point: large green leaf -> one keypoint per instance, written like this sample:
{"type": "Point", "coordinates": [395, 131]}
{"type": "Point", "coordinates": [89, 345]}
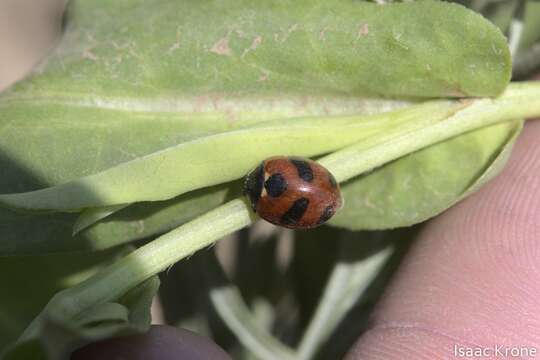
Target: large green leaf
{"type": "Point", "coordinates": [201, 162]}
{"type": "Point", "coordinates": [150, 49]}
{"type": "Point", "coordinates": [423, 184]}
{"type": "Point", "coordinates": [48, 144]}
{"type": "Point", "coordinates": [151, 218]}
{"type": "Point", "coordinates": [124, 84]}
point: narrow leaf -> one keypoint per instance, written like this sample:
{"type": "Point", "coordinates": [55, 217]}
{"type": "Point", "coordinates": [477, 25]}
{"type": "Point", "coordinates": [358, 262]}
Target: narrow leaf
{"type": "Point", "coordinates": [91, 216]}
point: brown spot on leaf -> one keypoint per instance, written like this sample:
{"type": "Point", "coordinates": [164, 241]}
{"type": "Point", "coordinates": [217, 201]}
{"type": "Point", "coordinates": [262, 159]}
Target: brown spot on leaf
{"type": "Point", "coordinates": [256, 42]}
{"type": "Point", "coordinates": [363, 30]}
{"type": "Point", "coordinates": [221, 47]}
{"type": "Point", "coordinates": [254, 45]}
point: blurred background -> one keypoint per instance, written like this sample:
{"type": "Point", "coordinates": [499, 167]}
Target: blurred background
{"type": "Point", "coordinates": [28, 30]}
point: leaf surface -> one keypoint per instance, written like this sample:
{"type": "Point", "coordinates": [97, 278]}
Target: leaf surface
{"type": "Point", "coordinates": [423, 184]}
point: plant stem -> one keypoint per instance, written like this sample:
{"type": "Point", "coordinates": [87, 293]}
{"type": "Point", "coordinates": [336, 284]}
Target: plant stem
{"type": "Point", "coordinates": [150, 259]}
{"type": "Point", "coordinates": [166, 250]}
{"type": "Point", "coordinates": [519, 101]}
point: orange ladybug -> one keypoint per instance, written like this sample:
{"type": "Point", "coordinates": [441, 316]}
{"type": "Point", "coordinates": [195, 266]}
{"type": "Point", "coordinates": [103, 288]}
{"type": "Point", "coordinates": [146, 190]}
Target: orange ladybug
{"type": "Point", "coordinates": [293, 192]}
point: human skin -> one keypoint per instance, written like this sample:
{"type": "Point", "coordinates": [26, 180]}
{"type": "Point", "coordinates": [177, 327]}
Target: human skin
{"type": "Point", "coordinates": [160, 342]}
{"type": "Point", "coordinates": [472, 278]}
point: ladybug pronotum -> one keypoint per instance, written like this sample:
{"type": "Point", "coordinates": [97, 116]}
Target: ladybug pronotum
{"type": "Point", "coordinates": [293, 192]}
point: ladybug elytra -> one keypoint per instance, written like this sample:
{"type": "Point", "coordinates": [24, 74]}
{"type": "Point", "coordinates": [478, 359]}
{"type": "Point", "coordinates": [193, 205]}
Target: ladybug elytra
{"type": "Point", "coordinates": [293, 192]}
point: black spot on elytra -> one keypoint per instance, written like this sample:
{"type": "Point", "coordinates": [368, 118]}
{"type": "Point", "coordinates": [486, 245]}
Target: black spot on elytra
{"type": "Point", "coordinates": [327, 214]}
{"type": "Point", "coordinates": [253, 185]}
{"type": "Point", "coordinates": [304, 170]}
{"type": "Point", "coordinates": [295, 212]}
{"type": "Point", "coordinates": [275, 185]}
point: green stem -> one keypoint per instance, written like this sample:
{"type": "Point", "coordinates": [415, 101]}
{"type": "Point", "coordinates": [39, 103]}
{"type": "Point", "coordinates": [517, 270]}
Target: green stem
{"type": "Point", "coordinates": [519, 101]}
{"type": "Point", "coordinates": [150, 259]}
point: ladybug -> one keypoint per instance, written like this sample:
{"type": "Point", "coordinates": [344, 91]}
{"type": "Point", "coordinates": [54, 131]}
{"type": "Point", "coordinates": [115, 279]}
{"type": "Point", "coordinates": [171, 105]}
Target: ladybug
{"type": "Point", "coordinates": [293, 192]}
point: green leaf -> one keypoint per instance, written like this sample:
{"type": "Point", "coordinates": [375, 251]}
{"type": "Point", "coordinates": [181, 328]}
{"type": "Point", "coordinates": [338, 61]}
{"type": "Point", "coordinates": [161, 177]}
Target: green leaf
{"type": "Point", "coordinates": [425, 183]}
{"type": "Point", "coordinates": [60, 334]}
{"type": "Point", "coordinates": [81, 140]}
{"type": "Point", "coordinates": [23, 233]}
{"type": "Point", "coordinates": [126, 86]}
{"type": "Point", "coordinates": [92, 215]}
{"type": "Point", "coordinates": [139, 300]}
{"type": "Point", "coordinates": [28, 282]}
{"type": "Point", "coordinates": [205, 161]}
{"type": "Point", "coordinates": [228, 302]}
{"type": "Point", "coordinates": [306, 47]}
{"type": "Point", "coordinates": [50, 233]}
{"type": "Point", "coordinates": [146, 219]}
{"type": "Point", "coordinates": [351, 276]}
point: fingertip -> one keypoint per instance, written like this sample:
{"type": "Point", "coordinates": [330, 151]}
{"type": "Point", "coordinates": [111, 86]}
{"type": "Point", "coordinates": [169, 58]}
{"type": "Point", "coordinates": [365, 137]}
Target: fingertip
{"type": "Point", "coordinates": [471, 278]}
{"type": "Point", "coordinates": [159, 343]}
